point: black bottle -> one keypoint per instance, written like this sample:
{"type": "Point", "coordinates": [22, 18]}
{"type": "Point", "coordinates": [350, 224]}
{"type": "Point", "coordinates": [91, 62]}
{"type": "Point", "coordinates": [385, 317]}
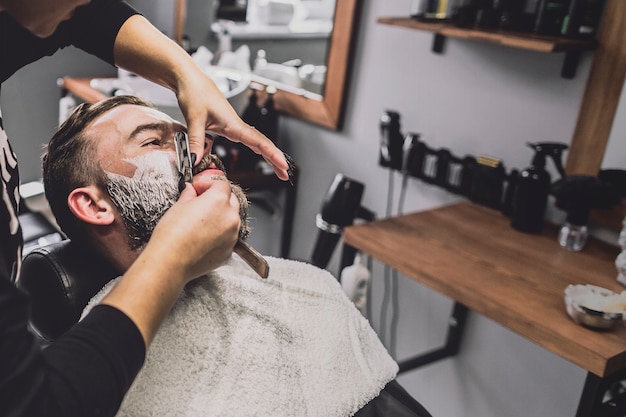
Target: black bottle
{"type": "Point", "coordinates": [583, 19]}
{"type": "Point", "coordinates": [532, 188]}
{"type": "Point", "coordinates": [550, 16]}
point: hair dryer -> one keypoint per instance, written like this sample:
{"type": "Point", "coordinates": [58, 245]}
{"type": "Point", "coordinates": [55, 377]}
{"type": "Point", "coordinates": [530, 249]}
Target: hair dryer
{"type": "Point", "coordinates": [341, 205]}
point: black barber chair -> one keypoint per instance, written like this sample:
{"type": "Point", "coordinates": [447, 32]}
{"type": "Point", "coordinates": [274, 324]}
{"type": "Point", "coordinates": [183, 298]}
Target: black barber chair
{"type": "Point", "coordinates": [37, 230]}
{"type": "Point", "coordinates": [62, 277]}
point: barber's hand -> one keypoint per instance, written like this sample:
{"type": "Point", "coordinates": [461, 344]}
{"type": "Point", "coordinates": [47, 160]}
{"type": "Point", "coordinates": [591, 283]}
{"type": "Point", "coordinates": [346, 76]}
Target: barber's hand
{"type": "Point", "coordinates": [143, 49]}
{"type": "Point", "coordinates": [196, 235]}
{"type": "Point", "coordinates": [201, 230]}
{"type": "Point", "coordinates": [205, 108]}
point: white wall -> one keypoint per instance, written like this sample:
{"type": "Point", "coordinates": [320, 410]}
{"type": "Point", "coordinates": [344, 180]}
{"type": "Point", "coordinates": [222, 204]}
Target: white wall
{"type": "Point", "coordinates": [615, 153]}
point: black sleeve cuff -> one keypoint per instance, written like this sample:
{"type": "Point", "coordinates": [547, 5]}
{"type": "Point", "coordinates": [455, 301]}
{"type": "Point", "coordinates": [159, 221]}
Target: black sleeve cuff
{"type": "Point", "coordinates": [93, 365]}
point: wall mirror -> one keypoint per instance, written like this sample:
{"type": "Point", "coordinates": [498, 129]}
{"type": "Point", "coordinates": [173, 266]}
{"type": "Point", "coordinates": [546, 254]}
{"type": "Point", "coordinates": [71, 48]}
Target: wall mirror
{"type": "Point", "coordinates": [599, 106]}
{"type": "Point", "coordinates": [321, 103]}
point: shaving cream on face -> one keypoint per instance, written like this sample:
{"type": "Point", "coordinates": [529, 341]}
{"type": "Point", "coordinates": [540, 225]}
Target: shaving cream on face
{"type": "Point", "coordinates": [157, 166]}
{"type": "Point", "coordinates": [143, 198]}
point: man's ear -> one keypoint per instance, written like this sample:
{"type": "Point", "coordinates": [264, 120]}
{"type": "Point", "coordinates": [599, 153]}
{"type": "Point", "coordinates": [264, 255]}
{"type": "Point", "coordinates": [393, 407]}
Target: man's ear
{"type": "Point", "coordinates": [90, 205]}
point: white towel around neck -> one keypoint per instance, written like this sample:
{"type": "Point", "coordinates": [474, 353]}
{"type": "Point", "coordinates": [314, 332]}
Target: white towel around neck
{"type": "Point", "coordinates": [238, 345]}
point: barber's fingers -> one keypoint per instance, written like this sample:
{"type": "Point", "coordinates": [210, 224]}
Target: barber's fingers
{"type": "Point", "coordinates": [214, 190]}
{"type": "Point", "coordinates": [262, 145]}
{"type": "Point", "coordinates": [198, 139]}
{"type": "Point", "coordinates": [201, 230]}
{"type": "Point", "coordinates": [214, 197]}
{"type": "Point", "coordinates": [187, 193]}
{"type": "Point", "coordinates": [196, 128]}
{"type": "Point", "coordinates": [206, 108]}
{"type": "Point", "coordinates": [238, 131]}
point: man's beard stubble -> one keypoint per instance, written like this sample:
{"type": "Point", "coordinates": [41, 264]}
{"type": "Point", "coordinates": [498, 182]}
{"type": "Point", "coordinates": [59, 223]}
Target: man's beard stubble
{"type": "Point", "coordinates": [143, 199]}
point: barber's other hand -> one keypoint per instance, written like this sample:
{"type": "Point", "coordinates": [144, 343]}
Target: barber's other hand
{"type": "Point", "coordinates": [200, 230]}
{"type": "Point", "coordinates": [205, 108]}
{"type": "Point", "coordinates": [196, 235]}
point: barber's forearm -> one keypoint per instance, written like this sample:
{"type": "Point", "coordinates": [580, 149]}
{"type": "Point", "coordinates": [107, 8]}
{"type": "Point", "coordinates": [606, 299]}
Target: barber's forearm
{"type": "Point", "coordinates": [144, 50]}
{"type": "Point", "coordinates": [147, 292]}
{"type": "Point", "coordinates": [141, 48]}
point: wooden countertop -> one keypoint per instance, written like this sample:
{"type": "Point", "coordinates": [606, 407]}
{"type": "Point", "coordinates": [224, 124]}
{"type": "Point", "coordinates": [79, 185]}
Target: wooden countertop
{"type": "Point", "coordinates": [471, 254]}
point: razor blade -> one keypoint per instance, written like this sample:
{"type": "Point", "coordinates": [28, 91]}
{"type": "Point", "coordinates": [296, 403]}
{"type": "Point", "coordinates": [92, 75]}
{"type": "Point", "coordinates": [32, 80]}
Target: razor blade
{"type": "Point", "coordinates": [253, 258]}
{"type": "Point", "coordinates": [185, 165]}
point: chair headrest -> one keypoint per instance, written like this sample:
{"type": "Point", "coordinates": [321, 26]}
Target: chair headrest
{"type": "Point", "coordinates": [61, 278]}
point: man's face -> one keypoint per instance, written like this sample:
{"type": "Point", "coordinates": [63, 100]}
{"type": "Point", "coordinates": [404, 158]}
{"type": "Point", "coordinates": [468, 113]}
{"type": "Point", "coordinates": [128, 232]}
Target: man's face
{"type": "Point", "coordinates": [135, 148]}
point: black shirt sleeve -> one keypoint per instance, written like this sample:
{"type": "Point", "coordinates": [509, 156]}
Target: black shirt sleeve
{"type": "Point", "coordinates": [86, 372]}
{"type": "Point", "coordinates": [93, 28]}
{"type": "Point", "coordinates": [92, 367]}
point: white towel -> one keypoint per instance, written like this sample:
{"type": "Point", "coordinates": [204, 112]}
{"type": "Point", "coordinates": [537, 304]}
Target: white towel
{"type": "Point", "coordinates": [238, 345]}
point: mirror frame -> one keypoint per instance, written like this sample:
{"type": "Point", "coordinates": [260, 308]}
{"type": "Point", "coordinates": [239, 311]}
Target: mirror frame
{"type": "Point", "coordinates": [598, 107]}
{"type": "Point", "coordinates": [326, 110]}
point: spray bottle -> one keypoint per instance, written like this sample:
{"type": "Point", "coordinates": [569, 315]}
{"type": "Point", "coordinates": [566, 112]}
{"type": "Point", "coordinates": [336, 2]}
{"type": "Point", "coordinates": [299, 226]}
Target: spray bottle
{"type": "Point", "coordinates": [533, 186]}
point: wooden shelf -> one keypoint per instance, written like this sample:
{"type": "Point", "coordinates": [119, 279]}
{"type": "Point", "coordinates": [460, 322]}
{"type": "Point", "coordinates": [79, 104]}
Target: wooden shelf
{"type": "Point", "coordinates": [528, 41]}
{"type": "Point", "coordinates": [471, 254]}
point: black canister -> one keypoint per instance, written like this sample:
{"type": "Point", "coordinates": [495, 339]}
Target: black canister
{"type": "Point", "coordinates": [533, 187]}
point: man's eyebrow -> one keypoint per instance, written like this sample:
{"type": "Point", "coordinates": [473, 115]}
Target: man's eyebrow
{"type": "Point", "coordinates": [160, 126]}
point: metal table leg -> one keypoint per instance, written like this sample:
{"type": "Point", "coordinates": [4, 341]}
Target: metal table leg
{"type": "Point", "coordinates": [456, 325]}
{"type": "Point", "coordinates": [592, 400]}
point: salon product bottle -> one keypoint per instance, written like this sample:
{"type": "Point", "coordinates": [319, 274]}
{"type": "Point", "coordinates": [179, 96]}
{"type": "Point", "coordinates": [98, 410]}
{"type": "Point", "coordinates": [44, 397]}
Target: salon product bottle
{"type": "Point", "coordinates": [432, 10]}
{"type": "Point", "coordinates": [583, 19]}
{"type": "Point", "coordinates": [533, 187]}
{"type": "Point", "coordinates": [355, 282]}
{"type": "Point", "coordinates": [391, 140]}
{"type": "Point", "coordinates": [578, 195]}
{"type": "Point", "coordinates": [550, 16]}
{"type": "Point", "coordinates": [511, 186]}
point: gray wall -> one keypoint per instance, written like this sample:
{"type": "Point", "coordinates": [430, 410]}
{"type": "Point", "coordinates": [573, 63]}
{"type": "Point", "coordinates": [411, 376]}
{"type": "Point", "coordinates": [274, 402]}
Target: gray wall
{"type": "Point", "coordinates": [30, 103]}
{"type": "Point", "coordinates": [475, 99]}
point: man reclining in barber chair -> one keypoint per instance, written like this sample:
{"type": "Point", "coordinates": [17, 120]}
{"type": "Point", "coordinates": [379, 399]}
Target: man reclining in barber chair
{"type": "Point", "coordinates": [234, 344]}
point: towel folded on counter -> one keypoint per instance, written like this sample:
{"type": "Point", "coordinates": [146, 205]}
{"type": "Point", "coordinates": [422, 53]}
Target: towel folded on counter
{"type": "Point", "coordinates": [238, 345]}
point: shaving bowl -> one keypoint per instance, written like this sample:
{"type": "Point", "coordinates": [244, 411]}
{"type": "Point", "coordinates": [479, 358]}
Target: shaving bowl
{"type": "Point", "coordinates": [595, 307]}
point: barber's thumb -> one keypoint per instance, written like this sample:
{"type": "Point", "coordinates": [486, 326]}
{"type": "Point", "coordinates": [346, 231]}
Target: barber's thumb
{"type": "Point", "coordinates": [187, 193]}
{"type": "Point", "coordinates": [197, 143]}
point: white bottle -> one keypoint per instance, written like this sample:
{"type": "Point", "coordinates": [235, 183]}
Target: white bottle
{"type": "Point", "coordinates": [355, 282]}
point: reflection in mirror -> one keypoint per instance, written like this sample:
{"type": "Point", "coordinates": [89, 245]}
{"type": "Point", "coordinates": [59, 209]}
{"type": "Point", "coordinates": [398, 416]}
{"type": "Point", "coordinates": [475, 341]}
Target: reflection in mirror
{"type": "Point", "coordinates": [306, 60]}
{"type": "Point", "coordinates": [286, 41]}
{"type": "Point", "coordinates": [317, 45]}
